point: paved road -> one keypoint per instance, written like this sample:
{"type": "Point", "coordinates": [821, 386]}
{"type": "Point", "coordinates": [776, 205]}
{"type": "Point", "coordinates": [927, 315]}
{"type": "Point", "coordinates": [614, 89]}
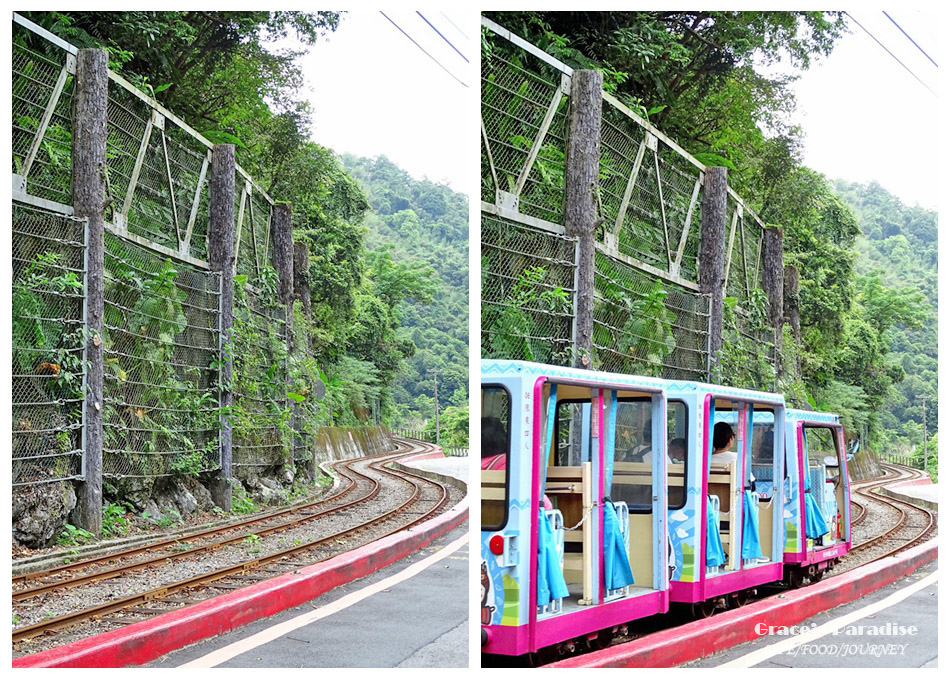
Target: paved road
{"type": "Point", "coordinates": [413, 614]}
{"type": "Point", "coordinates": [895, 627]}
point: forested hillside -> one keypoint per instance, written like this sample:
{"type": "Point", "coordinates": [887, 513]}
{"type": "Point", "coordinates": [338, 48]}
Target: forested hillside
{"type": "Point", "coordinates": [898, 246]}
{"type": "Point", "coordinates": [424, 226]}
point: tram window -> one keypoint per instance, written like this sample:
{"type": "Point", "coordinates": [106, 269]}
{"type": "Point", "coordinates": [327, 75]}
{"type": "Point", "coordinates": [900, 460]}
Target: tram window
{"type": "Point", "coordinates": [821, 442]}
{"type": "Point", "coordinates": [677, 430]}
{"type": "Point", "coordinates": [634, 454]}
{"type": "Point", "coordinates": [573, 433]}
{"type": "Point", "coordinates": [496, 445]}
{"type": "Point", "coordinates": [763, 444]}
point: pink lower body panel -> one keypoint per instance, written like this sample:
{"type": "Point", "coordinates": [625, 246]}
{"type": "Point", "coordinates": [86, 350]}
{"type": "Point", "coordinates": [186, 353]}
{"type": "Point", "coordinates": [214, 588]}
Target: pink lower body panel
{"type": "Point", "coordinates": [818, 556]}
{"type": "Point", "coordinates": [514, 641]}
{"type": "Point", "coordinates": [722, 584]}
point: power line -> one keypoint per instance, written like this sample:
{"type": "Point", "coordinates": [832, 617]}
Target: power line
{"type": "Point", "coordinates": [442, 36]}
{"type": "Point", "coordinates": [891, 53]}
{"type": "Point", "coordinates": [454, 26]}
{"type": "Point", "coordinates": [421, 48]}
{"type": "Point", "coordinates": [909, 38]}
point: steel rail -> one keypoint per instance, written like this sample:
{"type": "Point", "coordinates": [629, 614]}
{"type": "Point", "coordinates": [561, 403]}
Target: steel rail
{"type": "Point", "coordinates": [69, 620]}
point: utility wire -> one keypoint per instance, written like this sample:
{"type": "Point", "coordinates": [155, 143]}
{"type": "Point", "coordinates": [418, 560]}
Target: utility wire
{"type": "Point", "coordinates": [891, 53]}
{"type": "Point", "coordinates": [909, 38]}
{"type": "Point", "coordinates": [454, 26]}
{"type": "Point", "coordinates": [421, 48]}
{"type": "Point", "coordinates": [442, 36]}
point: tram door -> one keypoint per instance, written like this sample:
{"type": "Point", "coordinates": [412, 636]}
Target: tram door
{"type": "Point", "coordinates": [570, 488]}
{"type": "Point", "coordinates": [826, 483]}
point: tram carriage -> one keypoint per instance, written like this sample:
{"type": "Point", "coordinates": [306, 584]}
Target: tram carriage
{"type": "Point", "coordinates": [818, 507]}
{"type": "Point", "coordinates": [724, 530]}
{"type": "Point", "coordinates": [548, 434]}
{"type": "Point", "coordinates": [601, 503]}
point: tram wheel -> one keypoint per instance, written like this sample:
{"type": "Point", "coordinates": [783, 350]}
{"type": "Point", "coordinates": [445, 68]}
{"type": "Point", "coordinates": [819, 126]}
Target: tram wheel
{"type": "Point", "coordinates": [703, 610]}
{"type": "Point", "coordinates": [741, 598]}
{"type": "Point", "coordinates": [796, 578]}
{"type": "Point", "coordinates": [543, 656]}
{"type": "Point", "coordinates": [603, 639]}
{"type": "Point", "coordinates": [817, 576]}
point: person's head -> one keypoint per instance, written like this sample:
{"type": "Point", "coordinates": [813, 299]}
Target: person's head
{"type": "Point", "coordinates": [723, 436]}
{"type": "Point", "coordinates": [678, 450]}
{"type": "Point", "coordinates": [494, 437]}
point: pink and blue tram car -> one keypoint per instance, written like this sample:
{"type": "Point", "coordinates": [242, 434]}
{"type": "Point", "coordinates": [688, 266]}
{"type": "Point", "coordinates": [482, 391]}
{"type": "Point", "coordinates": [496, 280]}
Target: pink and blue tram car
{"type": "Point", "coordinates": [601, 503]}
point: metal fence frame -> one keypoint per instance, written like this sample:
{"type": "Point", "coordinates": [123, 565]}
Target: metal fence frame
{"type": "Point", "coordinates": [156, 178]}
{"type": "Point", "coordinates": [650, 192]}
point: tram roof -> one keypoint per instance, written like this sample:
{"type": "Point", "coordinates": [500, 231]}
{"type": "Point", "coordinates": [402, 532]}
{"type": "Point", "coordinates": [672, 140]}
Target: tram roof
{"type": "Point", "coordinates": [496, 368]}
{"type": "Point", "coordinates": [814, 416]}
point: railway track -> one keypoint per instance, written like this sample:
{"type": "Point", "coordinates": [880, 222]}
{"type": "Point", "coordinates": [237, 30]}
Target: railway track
{"type": "Point", "coordinates": [900, 524]}
{"type": "Point", "coordinates": [100, 594]}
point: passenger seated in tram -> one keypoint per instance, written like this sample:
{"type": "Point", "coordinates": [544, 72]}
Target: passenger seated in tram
{"type": "Point", "coordinates": [676, 452]}
{"type": "Point", "coordinates": [644, 452]}
{"type": "Point", "coordinates": [723, 439]}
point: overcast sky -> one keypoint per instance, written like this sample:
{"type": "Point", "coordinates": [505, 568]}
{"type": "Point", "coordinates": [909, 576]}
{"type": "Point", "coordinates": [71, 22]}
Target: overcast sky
{"type": "Point", "coordinates": [866, 118]}
{"type": "Point", "coordinates": [374, 92]}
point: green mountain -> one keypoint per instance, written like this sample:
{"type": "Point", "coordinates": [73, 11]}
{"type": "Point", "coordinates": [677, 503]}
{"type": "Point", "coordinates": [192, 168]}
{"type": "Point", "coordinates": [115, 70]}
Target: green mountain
{"type": "Point", "coordinates": [424, 225]}
{"type": "Point", "coordinates": [899, 244]}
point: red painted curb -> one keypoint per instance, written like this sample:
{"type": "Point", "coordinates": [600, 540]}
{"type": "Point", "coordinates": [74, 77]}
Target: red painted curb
{"type": "Point", "coordinates": [699, 639]}
{"type": "Point", "coordinates": [142, 642]}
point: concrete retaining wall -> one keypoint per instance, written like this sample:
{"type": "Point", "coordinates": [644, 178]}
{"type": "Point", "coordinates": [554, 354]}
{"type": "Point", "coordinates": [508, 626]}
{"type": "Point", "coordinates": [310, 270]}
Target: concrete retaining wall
{"type": "Point", "coordinates": [340, 443]}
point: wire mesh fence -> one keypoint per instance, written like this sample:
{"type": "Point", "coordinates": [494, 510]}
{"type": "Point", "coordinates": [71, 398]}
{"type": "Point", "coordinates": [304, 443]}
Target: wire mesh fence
{"type": "Point", "coordinates": [646, 326]}
{"type": "Point", "coordinates": [261, 417]}
{"type": "Point", "coordinates": [161, 342]}
{"type": "Point", "coordinates": [162, 339]}
{"type": "Point", "coordinates": [527, 292]}
{"type": "Point", "coordinates": [649, 316]}
{"type": "Point", "coordinates": [42, 118]}
{"type": "Point", "coordinates": [48, 371]}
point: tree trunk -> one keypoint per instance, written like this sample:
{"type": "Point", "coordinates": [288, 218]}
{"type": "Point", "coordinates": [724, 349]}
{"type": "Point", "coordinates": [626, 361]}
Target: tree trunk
{"type": "Point", "coordinates": [582, 166]}
{"type": "Point", "coordinates": [712, 257]}
{"type": "Point", "coordinates": [89, 196]}
{"type": "Point", "coordinates": [221, 258]}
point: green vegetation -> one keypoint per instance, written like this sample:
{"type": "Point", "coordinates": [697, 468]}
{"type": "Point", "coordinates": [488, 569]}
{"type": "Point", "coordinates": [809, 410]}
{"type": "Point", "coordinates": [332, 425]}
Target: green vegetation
{"type": "Point", "coordinates": [387, 254]}
{"type": "Point", "coordinates": [897, 271]}
{"type": "Point", "coordinates": [867, 264]}
{"type": "Point", "coordinates": [418, 232]}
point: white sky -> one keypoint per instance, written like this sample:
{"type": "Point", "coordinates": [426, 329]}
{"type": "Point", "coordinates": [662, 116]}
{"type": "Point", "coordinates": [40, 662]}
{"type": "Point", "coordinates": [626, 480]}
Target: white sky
{"type": "Point", "coordinates": [866, 118]}
{"type": "Point", "coordinates": [373, 92]}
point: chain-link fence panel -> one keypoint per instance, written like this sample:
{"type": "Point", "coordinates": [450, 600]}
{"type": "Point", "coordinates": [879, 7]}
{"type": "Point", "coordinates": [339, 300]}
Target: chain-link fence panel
{"type": "Point", "coordinates": [648, 316]}
{"type": "Point", "coordinates": [524, 115]}
{"type": "Point", "coordinates": [253, 245]}
{"type": "Point", "coordinates": [646, 326]}
{"type": "Point", "coordinates": [157, 174]}
{"type": "Point", "coordinates": [527, 292]}
{"type": "Point", "coordinates": [42, 87]}
{"type": "Point", "coordinates": [48, 371]}
{"type": "Point", "coordinates": [161, 345]}
{"type": "Point", "coordinates": [261, 417]}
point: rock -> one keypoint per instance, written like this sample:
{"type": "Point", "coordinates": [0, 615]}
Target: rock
{"type": "Point", "coordinates": [40, 511]}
